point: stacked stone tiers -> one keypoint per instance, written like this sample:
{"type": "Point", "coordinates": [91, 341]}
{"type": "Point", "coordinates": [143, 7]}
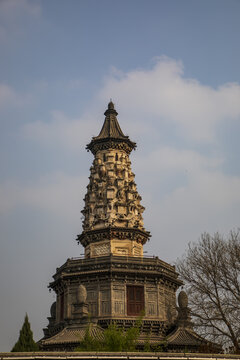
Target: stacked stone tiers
{"type": "Point", "coordinates": [112, 215]}
{"type": "Point", "coordinates": [112, 198]}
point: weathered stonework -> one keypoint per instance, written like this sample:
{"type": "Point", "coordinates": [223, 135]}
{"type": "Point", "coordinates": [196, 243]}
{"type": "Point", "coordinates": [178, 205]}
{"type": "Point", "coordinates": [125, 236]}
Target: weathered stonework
{"type": "Point", "coordinates": [112, 198]}
{"type": "Point", "coordinates": [113, 222]}
{"type": "Point", "coordinates": [114, 281]}
{"type": "Point", "coordinates": [106, 280]}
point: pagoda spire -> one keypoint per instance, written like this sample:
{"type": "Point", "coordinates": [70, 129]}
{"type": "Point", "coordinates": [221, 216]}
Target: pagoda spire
{"type": "Point", "coordinates": [111, 135]}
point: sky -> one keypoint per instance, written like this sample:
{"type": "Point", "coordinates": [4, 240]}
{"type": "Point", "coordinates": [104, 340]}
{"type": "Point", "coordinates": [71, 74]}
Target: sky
{"type": "Point", "coordinates": [172, 70]}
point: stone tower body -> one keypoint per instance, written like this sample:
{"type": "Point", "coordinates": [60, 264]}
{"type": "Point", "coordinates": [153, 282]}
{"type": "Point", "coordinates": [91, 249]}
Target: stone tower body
{"type": "Point", "coordinates": [114, 281]}
{"type": "Point", "coordinates": [113, 222]}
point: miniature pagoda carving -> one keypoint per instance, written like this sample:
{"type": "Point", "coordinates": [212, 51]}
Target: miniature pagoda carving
{"type": "Point", "coordinates": [113, 221]}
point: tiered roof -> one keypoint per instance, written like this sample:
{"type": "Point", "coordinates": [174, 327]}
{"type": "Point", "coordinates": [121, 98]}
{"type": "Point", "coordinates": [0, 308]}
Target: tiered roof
{"type": "Point", "coordinates": [111, 135]}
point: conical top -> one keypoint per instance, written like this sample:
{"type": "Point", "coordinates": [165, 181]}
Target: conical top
{"type": "Point", "coordinates": [111, 135]}
{"type": "Point", "coordinates": [111, 127]}
{"type": "Point", "coordinates": [110, 109]}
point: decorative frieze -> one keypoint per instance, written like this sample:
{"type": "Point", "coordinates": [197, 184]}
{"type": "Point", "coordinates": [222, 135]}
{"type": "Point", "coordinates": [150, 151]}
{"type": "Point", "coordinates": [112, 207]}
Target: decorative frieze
{"type": "Point", "coordinates": [112, 187]}
{"type": "Point", "coordinates": [100, 249]}
{"type": "Point", "coordinates": [110, 233]}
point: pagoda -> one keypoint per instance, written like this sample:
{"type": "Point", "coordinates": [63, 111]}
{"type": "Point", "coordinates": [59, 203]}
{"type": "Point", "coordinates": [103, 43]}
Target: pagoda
{"type": "Point", "coordinates": [115, 282]}
{"type": "Point", "coordinates": [113, 222]}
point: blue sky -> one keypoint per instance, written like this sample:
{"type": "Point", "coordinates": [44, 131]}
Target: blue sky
{"type": "Point", "coordinates": [172, 70]}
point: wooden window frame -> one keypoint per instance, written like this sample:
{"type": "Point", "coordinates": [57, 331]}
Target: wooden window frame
{"type": "Point", "coordinates": [135, 300]}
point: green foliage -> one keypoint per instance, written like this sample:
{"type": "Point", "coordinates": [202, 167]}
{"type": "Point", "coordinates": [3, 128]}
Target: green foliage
{"type": "Point", "coordinates": [161, 347]}
{"type": "Point", "coordinates": [89, 343]}
{"type": "Point", "coordinates": [25, 341]}
{"type": "Point", "coordinates": [147, 346]}
{"type": "Point", "coordinates": [115, 339]}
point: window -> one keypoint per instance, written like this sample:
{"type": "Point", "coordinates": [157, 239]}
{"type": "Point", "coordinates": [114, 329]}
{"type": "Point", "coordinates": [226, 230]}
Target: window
{"type": "Point", "coordinates": [135, 300]}
{"type": "Point", "coordinates": [116, 157]}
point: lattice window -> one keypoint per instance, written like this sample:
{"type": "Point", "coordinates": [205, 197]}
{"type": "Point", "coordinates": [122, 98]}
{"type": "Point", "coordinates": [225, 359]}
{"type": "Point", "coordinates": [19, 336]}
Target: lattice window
{"type": "Point", "coordinates": [135, 300]}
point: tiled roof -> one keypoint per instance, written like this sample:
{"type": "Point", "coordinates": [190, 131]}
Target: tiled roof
{"type": "Point", "coordinates": [73, 335]}
{"type": "Point", "coordinates": [111, 127]}
{"type": "Point", "coordinates": [111, 130]}
{"type": "Point", "coordinates": [186, 337]}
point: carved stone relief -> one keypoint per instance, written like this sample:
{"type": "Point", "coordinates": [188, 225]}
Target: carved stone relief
{"type": "Point", "coordinates": [100, 249]}
{"type": "Point", "coordinates": [112, 198]}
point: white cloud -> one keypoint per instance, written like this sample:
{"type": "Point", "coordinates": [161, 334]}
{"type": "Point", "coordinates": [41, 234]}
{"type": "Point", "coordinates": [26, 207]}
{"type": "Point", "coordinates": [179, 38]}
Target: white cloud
{"type": "Point", "coordinates": [61, 130]}
{"type": "Point", "coordinates": [204, 185]}
{"type": "Point", "coordinates": [185, 191]}
{"type": "Point", "coordinates": [207, 199]}
{"type": "Point", "coordinates": [10, 98]}
{"type": "Point", "coordinates": [13, 16]}
{"type": "Point", "coordinates": [171, 159]}
{"type": "Point", "coordinates": [11, 9]}
{"type": "Point", "coordinates": [150, 101]}
{"type": "Point", "coordinates": [209, 202]}
{"type": "Point", "coordinates": [163, 93]}
{"type": "Point", "coordinates": [7, 95]}
{"type": "Point", "coordinates": [57, 193]}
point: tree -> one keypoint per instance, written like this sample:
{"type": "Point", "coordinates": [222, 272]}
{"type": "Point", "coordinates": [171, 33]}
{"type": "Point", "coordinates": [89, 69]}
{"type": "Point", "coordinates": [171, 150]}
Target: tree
{"type": "Point", "coordinates": [89, 343]}
{"type": "Point", "coordinates": [211, 272]}
{"type": "Point", "coordinates": [25, 341]}
{"type": "Point", "coordinates": [114, 339]}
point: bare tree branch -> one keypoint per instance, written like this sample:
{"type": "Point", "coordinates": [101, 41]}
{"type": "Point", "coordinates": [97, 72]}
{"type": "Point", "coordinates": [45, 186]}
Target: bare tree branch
{"type": "Point", "coordinates": [211, 272]}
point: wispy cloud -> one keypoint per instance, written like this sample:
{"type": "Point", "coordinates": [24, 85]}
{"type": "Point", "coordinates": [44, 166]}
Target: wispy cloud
{"type": "Point", "coordinates": [150, 101]}
{"type": "Point", "coordinates": [15, 8]}
{"type": "Point", "coordinates": [181, 183]}
{"type": "Point", "coordinates": [13, 15]}
{"type": "Point", "coordinates": [163, 93]}
{"type": "Point", "coordinates": [7, 95]}
{"type": "Point", "coordinates": [185, 194]}
{"type": "Point", "coordinates": [56, 193]}
{"type": "Point", "coordinates": [10, 98]}
{"type": "Point", "coordinates": [61, 130]}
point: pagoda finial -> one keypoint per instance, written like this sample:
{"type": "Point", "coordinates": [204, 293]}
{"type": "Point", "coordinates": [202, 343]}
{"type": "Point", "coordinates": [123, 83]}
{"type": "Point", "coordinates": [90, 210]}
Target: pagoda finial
{"type": "Point", "coordinates": [110, 109]}
{"type": "Point", "coordinates": [111, 105]}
